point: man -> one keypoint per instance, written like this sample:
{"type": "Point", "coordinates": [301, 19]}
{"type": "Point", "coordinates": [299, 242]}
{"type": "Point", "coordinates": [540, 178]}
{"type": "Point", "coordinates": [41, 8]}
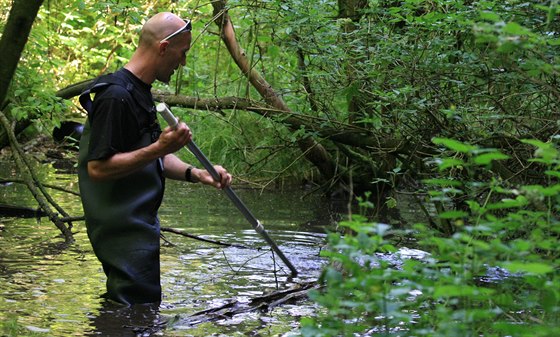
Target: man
{"type": "Point", "coordinates": [125, 158]}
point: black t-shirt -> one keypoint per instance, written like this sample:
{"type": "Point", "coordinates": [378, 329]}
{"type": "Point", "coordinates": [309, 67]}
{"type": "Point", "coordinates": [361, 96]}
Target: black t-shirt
{"type": "Point", "coordinates": [120, 116]}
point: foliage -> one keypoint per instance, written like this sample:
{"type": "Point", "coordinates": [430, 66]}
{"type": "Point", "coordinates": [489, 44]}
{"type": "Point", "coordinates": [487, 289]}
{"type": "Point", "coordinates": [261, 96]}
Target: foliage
{"type": "Point", "coordinates": [30, 99]}
{"type": "Point", "coordinates": [497, 275]}
{"type": "Point", "coordinates": [466, 89]}
{"type": "Point", "coordinates": [481, 72]}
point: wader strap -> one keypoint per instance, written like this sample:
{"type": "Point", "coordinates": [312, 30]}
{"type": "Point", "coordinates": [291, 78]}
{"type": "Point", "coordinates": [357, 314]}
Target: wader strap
{"type": "Point", "coordinates": [99, 84]}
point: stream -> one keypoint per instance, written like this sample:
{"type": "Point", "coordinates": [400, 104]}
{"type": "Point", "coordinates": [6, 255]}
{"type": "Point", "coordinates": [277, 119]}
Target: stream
{"type": "Point", "coordinates": [48, 290]}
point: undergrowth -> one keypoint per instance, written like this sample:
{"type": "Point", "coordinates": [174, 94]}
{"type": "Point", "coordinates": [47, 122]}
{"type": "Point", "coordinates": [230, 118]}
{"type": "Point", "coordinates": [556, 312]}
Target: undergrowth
{"type": "Point", "coordinates": [495, 274]}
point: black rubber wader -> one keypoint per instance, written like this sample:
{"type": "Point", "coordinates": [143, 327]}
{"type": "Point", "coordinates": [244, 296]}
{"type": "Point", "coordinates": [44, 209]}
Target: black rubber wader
{"type": "Point", "coordinates": [123, 226]}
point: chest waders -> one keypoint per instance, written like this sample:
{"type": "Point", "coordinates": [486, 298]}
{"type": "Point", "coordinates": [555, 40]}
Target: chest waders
{"type": "Point", "coordinates": [121, 217]}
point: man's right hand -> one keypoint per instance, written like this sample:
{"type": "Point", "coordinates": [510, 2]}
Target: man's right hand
{"type": "Point", "coordinates": [172, 140]}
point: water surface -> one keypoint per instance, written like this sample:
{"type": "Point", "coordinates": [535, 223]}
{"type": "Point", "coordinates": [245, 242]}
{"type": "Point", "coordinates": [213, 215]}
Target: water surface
{"type": "Point", "coordinates": [54, 291]}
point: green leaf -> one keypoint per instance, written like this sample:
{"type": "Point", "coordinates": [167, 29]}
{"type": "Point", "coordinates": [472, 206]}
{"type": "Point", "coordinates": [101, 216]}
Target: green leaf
{"type": "Point", "coordinates": [490, 16]}
{"type": "Point", "coordinates": [459, 291]}
{"type": "Point", "coordinates": [442, 182]}
{"type": "Point", "coordinates": [536, 142]}
{"type": "Point", "coordinates": [552, 173]}
{"type": "Point", "coordinates": [507, 47]}
{"type": "Point", "coordinates": [544, 191]}
{"type": "Point", "coordinates": [391, 202]}
{"type": "Point", "coordinates": [454, 145]}
{"type": "Point", "coordinates": [546, 151]}
{"type": "Point", "coordinates": [446, 163]}
{"type": "Point", "coordinates": [515, 29]}
{"type": "Point", "coordinates": [473, 205]}
{"type": "Point", "coordinates": [508, 203]}
{"type": "Point", "coordinates": [453, 214]}
{"type": "Point", "coordinates": [549, 300]}
{"type": "Point", "coordinates": [273, 51]}
{"type": "Point", "coordinates": [528, 267]}
{"type": "Point", "coordinates": [487, 158]}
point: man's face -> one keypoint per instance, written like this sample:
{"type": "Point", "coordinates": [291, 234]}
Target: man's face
{"type": "Point", "coordinates": [175, 55]}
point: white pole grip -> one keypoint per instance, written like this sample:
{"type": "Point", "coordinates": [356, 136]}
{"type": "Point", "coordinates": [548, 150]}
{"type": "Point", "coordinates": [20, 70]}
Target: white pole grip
{"type": "Point", "coordinates": [167, 115]}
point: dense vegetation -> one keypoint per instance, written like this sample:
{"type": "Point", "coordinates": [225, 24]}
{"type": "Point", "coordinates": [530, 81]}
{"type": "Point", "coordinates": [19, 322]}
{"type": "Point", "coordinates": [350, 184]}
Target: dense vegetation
{"type": "Point", "coordinates": [372, 82]}
{"type": "Point", "coordinates": [495, 275]}
{"type": "Point", "coordinates": [455, 101]}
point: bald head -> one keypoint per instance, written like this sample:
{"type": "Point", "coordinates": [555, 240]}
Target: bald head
{"type": "Point", "coordinates": [158, 27]}
{"type": "Point", "coordinates": [164, 42]}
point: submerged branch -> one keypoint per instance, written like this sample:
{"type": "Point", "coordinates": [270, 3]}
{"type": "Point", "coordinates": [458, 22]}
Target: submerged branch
{"type": "Point", "coordinates": [54, 187]}
{"type": "Point", "coordinates": [20, 211]}
{"type": "Point", "coordinates": [265, 302]}
{"type": "Point", "coordinates": [179, 232]}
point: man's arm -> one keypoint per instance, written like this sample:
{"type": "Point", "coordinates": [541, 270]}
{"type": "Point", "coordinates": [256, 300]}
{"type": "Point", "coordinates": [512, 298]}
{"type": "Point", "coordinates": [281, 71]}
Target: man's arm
{"type": "Point", "coordinates": [175, 168]}
{"type": "Point", "coordinates": [122, 164]}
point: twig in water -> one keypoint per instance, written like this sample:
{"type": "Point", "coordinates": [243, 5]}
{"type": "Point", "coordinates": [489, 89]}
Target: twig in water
{"type": "Point", "coordinates": [227, 262]}
{"type": "Point", "coordinates": [254, 257]}
{"type": "Point", "coordinates": [54, 187]}
{"type": "Point", "coordinates": [179, 232]}
{"type": "Point", "coordinates": [275, 271]}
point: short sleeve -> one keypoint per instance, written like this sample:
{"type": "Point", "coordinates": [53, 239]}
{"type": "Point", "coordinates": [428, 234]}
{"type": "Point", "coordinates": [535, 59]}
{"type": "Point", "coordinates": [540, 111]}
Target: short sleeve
{"type": "Point", "coordinates": [114, 128]}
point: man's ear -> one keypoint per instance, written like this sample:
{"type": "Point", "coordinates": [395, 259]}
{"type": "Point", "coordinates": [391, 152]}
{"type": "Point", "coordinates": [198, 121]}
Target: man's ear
{"type": "Point", "coordinates": [163, 47]}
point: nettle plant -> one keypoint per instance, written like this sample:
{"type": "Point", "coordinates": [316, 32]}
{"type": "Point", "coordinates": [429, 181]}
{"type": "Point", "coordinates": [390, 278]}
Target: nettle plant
{"type": "Point", "coordinates": [495, 274]}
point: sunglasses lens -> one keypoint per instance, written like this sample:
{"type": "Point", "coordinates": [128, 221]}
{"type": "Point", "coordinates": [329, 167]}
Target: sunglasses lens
{"type": "Point", "coordinates": [186, 28]}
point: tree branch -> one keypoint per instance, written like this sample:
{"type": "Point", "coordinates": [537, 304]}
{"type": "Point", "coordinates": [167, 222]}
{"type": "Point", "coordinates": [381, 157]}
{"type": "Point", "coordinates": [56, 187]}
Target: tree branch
{"type": "Point", "coordinates": [315, 152]}
{"type": "Point", "coordinates": [33, 184]}
{"type": "Point", "coordinates": [339, 132]}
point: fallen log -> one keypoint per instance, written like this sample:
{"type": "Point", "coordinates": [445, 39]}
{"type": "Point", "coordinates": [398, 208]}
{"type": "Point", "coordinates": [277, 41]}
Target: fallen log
{"type": "Point", "coordinates": [263, 303]}
{"type": "Point", "coordinates": [21, 211]}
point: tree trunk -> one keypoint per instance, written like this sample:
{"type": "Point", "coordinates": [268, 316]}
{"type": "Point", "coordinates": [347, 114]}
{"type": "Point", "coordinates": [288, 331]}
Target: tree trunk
{"type": "Point", "coordinates": [35, 186]}
{"type": "Point", "coordinates": [351, 9]}
{"type": "Point", "coordinates": [14, 38]}
{"type": "Point", "coordinates": [314, 152]}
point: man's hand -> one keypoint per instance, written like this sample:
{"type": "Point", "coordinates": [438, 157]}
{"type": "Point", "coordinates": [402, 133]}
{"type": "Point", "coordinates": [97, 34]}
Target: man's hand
{"type": "Point", "coordinates": [204, 177]}
{"type": "Point", "coordinates": [172, 140]}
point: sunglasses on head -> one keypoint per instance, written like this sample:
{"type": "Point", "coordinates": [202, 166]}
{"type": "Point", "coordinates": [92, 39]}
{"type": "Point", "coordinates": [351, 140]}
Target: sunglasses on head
{"type": "Point", "coordinates": [186, 28]}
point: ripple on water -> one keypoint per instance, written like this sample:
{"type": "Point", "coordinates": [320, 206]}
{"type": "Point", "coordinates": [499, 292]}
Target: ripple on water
{"type": "Point", "coordinates": [48, 288]}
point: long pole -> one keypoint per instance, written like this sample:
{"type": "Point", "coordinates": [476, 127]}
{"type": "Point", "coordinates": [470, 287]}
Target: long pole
{"type": "Point", "coordinates": [257, 225]}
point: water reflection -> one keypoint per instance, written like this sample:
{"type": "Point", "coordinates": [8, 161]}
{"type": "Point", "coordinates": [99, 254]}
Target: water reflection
{"type": "Point", "coordinates": [54, 291]}
{"type": "Point", "coordinates": [114, 319]}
